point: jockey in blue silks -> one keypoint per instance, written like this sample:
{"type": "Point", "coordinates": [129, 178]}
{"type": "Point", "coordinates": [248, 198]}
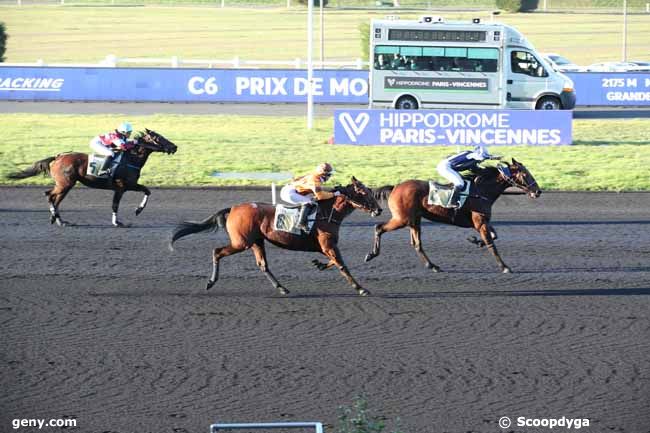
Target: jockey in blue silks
{"type": "Point", "coordinates": [466, 160]}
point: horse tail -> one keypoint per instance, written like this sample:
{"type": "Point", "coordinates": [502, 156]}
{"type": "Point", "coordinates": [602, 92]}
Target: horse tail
{"type": "Point", "coordinates": [213, 222]}
{"type": "Point", "coordinates": [383, 192]}
{"type": "Point", "coordinates": [42, 166]}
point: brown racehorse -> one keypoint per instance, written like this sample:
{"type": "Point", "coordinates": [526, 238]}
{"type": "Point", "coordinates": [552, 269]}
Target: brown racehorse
{"type": "Point", "coordinates": [408, 203]}
{"type": "Point", "coordinates": [68, 168]}
{"type": "Point", "coordinates": [249, 225]}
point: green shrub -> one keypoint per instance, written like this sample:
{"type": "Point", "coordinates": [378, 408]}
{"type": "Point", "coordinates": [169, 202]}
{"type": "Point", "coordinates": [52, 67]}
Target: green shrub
{"type": "Point", "coordinates": [517, 5]}
{"type": "Point", "coordinates": [364, 29]}
{"type": "Point", "coordinates": [357, 419]}
{"type": "Point", "coordinates": [3, 42]}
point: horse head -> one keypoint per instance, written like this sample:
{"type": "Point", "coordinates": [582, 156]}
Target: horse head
{"type": "Point", "coordinates": [359, 196]}
{"type": "Point", "coordinates": [517, 175]}
{"type": "Point", "coordinates": [155, 142]}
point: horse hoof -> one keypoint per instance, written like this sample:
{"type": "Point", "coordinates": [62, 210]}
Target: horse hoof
{"type": "Point", "coordinates": [138, 210]}
{"type": "Point", "coordinates": [506, 270]}
{"type": "Point", "coordinates": [435, 268]}
{"type": "Point", "coordinates": [61, 223]}
{"type": "Point", "coordinates": [120, 225]}
{"type": "Point", "coordinates": [209, 285]}
{"type": "Point", "coordinates": [363, 292]}
{"type": "Point", "coordinates": [370, 257]}
{"type": "Point", "coordinates": [283, 290]}
{"type": "Point", "coordinates": [52, 219]}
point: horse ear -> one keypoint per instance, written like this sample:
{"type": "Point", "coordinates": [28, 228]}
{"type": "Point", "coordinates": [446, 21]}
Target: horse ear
{"type": "Point", "coordinates": [147, 130]}
{"type": "Point", "coordinates": [354, 179]}
{"type": "Point", "coordinates": [514, 161]}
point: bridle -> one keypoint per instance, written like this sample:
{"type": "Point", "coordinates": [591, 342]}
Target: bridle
{"type": "Point", "coordinates": [509, 178]}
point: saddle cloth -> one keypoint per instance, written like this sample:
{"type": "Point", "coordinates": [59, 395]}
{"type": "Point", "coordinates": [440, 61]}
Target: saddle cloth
{"type": "Point", "coordinates": [95, 163]}
{"type": "Point", "coordinates": [440, 195]}
{"type": "Point", "coordinates": [286, 218]}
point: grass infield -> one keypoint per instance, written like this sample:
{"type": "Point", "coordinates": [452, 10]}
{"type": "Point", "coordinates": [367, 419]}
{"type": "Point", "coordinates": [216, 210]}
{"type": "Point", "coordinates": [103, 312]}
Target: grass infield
{"type": "Point", "coordinates": [73, 34]}
{"type": "Point", "coordinates": [608, 155]}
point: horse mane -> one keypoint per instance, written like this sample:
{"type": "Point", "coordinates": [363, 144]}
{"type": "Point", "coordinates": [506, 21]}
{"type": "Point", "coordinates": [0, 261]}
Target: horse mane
{"type": "Point", "coordinates": [483, 174]}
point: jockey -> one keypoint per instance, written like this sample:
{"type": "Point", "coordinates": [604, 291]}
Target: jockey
{"type": "Point", "coordinates": [466, 160]}
{"type": "Point", "coordinates": [110, 143]}
{"type": "Point", "coordinates": [306, 190]}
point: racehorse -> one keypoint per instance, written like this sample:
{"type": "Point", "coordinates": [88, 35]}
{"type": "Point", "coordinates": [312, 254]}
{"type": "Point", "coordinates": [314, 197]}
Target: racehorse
{"type": "Point", "coordinates": [408, 203]}
{"type": "Point", "coordinates": [249, 225]}
{"type": "Point", "coordinates": [68, 168]}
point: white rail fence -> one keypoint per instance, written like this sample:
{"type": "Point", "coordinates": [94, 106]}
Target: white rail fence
{"type": "Point", "coordinates": [317, 426]}
{"type": "Point", "coordinates": [112, 61]}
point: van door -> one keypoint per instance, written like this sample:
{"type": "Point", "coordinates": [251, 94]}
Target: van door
{"type": "Point", "coordinates": [527, 78]}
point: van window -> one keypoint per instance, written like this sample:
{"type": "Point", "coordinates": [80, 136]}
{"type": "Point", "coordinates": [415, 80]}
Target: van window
{"type": "Point", "coordinates": [523, 62]}
{"type": "Point", "coordinates": [444, 59]}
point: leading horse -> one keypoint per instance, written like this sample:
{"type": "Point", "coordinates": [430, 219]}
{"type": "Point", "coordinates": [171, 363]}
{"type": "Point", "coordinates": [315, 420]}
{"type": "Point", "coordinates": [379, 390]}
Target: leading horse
{"type": "Point", "coordinates": [249, 225]}
{"type": "Point", "coordinates": [408, 203]}
{"type": "Point", "coordinates": [69, 168]}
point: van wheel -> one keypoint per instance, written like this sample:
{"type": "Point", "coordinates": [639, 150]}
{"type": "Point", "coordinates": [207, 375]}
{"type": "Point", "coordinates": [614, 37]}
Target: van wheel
{"type": "Point", "coordinates": [406, 103]}
{"type": "Point", "coordinates": [548, 103]}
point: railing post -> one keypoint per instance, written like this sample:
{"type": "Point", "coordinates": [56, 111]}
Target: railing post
{"type": "Point", "coordinates": [235, 62]}
{"type": "Point", "coordinates": [297, 63]}
{"type": "Point", "coordinates": [175, 61]}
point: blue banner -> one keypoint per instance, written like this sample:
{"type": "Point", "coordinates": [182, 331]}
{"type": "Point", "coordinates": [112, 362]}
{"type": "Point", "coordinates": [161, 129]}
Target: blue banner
{"type": "Point", "coordinates": [258, 85]}
{"type": "Point", "coordinates": [611, 88]}
{"type": "Point", "coordinates": [181, 85]}
{"type": "Point", "coordinates": [453, 128]}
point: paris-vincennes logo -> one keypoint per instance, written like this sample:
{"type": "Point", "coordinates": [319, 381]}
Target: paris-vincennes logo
{"type": "Point", "coordinates": [354, 127]}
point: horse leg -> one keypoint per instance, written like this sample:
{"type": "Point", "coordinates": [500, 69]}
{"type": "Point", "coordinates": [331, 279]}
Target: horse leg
{"type": "Point", "coordinates": [479, 243]}
{"type": "Point", "coordinates": [217, 254]}
{"type": "Point", "coordinates": [260, 257]}
{"type": "Point", "coordinates": [333, 253]}
{"type": "Point", "coordinates": [143, 203]}
{"type": "Point", "coordinates": [55, 196]}
{"type": "Point", "coordinates": [380, 229]}
{"type": "Point", "coordinates": [417, 244]}
{"type": "Point", "coordinates": [117, 196]}
{"type": "Point", "coordinates": [485, 231]}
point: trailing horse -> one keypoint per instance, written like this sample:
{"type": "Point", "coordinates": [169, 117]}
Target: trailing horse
{"type": "Point", "coordinates": [249, 225]}
{"type": "Point", "coordinates": [68, 168]}
{"type": "Point", "coordinates": [408, 203]}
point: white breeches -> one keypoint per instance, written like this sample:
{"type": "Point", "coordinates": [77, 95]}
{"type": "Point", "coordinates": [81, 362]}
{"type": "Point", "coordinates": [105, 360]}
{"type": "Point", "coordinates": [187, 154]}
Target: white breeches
{"type": "Point", "coordinates": [289, 195]}
{"type": "Point", "coordinates": [445, 170]}
{"type": "Point", "coordinates": [98, 147]}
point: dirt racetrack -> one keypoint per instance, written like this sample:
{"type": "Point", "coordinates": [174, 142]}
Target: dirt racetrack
{"type": "Point", "coordinates": [108, 327]}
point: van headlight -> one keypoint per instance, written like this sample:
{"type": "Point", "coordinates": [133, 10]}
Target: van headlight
{"type": "Point", "coordinates": [568, 86]}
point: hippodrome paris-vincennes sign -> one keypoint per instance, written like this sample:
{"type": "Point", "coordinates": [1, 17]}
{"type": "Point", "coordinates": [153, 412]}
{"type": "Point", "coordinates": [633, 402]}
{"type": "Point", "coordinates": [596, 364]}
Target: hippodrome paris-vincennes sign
{"type": "Point", "coordinates": [453, 128]}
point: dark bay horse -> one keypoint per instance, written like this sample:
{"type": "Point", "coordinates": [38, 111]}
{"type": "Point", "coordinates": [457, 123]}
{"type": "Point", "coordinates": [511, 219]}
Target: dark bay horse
{"type": "Point", "coordinates": [249, 225]}
{"type": "Point", "coordinates": [408, 204]}
{"type": "Point", "coordinates": [68, 168]}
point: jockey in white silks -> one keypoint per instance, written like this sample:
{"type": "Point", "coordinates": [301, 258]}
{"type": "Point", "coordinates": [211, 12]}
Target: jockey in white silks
{"type": "Point", "coordinates": [467, 160]}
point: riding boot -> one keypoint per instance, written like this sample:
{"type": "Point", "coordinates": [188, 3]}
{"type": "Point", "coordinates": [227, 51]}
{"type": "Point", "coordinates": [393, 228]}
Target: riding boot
{"type": "Point", "coordinates": [105, 169]}
{"type": "Point", "coordinates": [305, 210]}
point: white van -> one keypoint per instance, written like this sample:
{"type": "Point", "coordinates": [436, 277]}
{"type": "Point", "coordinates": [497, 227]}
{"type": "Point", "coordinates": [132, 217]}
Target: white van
{"type": "Point", "coordinates": [431, 63]}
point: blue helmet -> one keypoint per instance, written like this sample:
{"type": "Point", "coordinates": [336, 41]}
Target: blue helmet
{"type": "Point", "coordinates": [125, 128]}
{"type": "Point", "coordinates": [481, 151]}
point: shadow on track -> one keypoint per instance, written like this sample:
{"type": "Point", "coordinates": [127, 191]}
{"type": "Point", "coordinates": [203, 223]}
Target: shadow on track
{"type": "Point", "coordinates": [508, 293]}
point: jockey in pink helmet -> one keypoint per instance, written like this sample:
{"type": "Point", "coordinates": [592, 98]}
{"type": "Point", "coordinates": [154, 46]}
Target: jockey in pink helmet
{"type": "Point", "coordinates": [110, 143]}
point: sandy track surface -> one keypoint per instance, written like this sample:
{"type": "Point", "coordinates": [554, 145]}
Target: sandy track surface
{"type": "Point", "coordinates": [107, 326]}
